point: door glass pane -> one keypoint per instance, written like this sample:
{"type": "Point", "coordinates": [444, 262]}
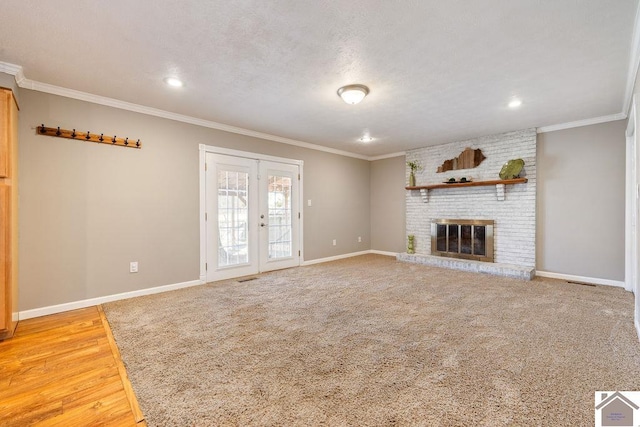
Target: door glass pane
{"type": "Point", "coordinates": [279, 194]}
{"type": "Point", "coordinates": [233, 218]}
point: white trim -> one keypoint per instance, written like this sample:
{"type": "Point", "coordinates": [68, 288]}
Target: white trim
{"type": "Point", "coordinates": [23, 82]}
{"type": "Point", "coordinates": [53, 309]}
{"type": "Point", "coordinates": [634, 62]}
{"type": "Point", "coordinates": [202, 210]}
{"type": "Point", "coordinates": [637, 322]}
{"type": "Point", "coordinates": [580, 123]}
{"type": "Point", "coordinates": [582, 279]}
{"type": "Point", "coordinates": [334, 258]}
{"type": "Point", "coordinates": [631, 124]}
{"type": "Point", "coordinates": [248, 155]}
{"type": "Point", "coordinates": [301, 211]}
{"type": "Point", "coordinates": [387, 156]}
{"type": "Point", "coordinates": [12, 69]}
{"type": "Point", "coordinates": [203, 150]}
{"type": "Point", "coordinates": [385, 253]}
{"type": "Point", "coordinates": [631, 203]}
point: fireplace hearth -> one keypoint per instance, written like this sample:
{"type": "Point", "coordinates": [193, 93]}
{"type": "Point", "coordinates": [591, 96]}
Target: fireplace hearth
{"type": "Point", "coordinates": [462, 238]}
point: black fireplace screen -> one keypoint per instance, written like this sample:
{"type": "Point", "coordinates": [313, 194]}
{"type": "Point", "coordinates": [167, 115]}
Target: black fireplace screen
{"type": "Point", "coordinates": [460, 238]}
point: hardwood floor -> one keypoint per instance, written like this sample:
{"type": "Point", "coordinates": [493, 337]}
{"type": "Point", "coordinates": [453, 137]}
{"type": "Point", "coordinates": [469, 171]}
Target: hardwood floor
{"type": "Point", "coordinates": [64, 369]}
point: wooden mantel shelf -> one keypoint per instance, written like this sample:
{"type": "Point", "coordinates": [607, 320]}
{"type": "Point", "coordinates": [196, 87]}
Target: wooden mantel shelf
{"type": "Point", "coordinates": [499, 183]}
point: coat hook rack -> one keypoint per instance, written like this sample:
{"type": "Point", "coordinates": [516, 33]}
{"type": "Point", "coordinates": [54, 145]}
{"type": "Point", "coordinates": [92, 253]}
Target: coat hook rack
{"type": "Point", "coordinates": [88, 136]}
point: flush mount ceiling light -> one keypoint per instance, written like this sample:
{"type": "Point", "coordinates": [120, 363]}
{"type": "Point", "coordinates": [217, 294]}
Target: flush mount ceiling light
{"type": "Point", "coordinates": [353, 94]}
{"type": "Point", "coordinates": [366, 138]}
{"type": "Point", "coordinates": [172, 81]}
{"type": "Point", "coordinates": [515, 103]}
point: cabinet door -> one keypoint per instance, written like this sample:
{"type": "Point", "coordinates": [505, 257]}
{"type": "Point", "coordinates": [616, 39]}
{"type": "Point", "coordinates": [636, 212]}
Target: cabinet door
{"type": "Point", "coordinates": [5, 131]}
{"type": "Point", "coordinates": [5, 259]}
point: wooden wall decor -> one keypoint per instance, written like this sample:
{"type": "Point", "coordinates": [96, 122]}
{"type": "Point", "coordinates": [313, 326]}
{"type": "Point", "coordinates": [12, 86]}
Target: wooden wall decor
{"type": "Point", "coordinates": [88, 136]}
{"type": "Point", "coordinates": [468, 159]}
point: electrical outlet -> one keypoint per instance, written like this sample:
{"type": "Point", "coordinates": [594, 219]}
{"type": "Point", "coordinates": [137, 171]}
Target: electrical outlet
{"type": "Point", "coordinates": [359, 239]}
{"type": "Point", "coordinates": [334, 242]}
{"type": "Point", "coordinates": [133, 267]}
{"type": "Point", "coordinates": [309, 202]}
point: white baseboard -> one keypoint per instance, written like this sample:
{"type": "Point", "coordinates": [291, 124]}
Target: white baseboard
{"type": "Point", "coordinates": [334, 258]}
{"type": "Point", "coordinates": [349, 255]}
{"type": "Point", "coordinates": [53, 309]}
{"type": "Point", "coordinates": [385, 253]}
{"type": "Point", "coordinates": [583, 279]}
{"type": "Point", "coordinates": [59, 308]}
{"type": "Point", "coordinates": [638, 328]}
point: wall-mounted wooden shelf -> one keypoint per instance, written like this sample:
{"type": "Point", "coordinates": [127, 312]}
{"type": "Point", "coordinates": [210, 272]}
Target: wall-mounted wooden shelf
{"type": "Point", "coordinates": [499, 183]}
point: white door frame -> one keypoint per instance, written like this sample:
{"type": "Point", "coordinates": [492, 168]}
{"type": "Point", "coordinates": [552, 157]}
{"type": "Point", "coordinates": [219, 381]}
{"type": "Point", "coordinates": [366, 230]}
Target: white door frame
{"type": "Point", "coordinates": [203, 148]}
{"type": "Point", "coordinates": [632, 212]}
{"type": "Point", "coordinates": [631, 203]}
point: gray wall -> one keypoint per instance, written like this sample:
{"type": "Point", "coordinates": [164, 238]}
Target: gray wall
{"type": "Point", "coordinates": [387, 204]}
{"type": "Point", "coordinates": [581, 182]}
{"type": "Point", "coordinates": [87, 210]}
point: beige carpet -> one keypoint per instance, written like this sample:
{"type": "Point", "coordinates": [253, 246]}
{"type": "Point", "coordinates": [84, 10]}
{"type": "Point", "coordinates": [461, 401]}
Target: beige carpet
{"type": "Point", "coordinates": [370, 341]}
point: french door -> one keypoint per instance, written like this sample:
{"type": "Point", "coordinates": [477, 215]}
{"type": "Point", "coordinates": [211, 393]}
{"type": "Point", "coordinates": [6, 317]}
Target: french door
{"type": "Point", "coordinates": [252, 215]}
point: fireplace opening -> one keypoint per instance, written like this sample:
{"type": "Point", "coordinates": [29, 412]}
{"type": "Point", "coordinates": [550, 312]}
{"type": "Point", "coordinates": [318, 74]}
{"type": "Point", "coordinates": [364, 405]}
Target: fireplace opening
{"type": "Point", "coordinates": [462, 238]}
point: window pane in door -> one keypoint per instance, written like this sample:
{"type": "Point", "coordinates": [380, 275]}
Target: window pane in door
{"type": "Point", "coordinates": [279, 194]}
{"type": "Point", "coordinates": [233, 218]}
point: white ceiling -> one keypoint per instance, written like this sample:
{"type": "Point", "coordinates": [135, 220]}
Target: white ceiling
{"type": "Point", "coordinates": [438, 71]}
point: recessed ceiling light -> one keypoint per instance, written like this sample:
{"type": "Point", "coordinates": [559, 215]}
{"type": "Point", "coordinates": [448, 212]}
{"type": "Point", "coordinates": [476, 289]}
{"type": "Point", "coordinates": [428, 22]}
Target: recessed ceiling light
{"type": "Point", "coordinates": [172, 81]}
{"type": "Point", "coordinates": [353, 94]}
{"type": "Point", "coordinates": [366, 138]}
{"type": "Point", "coordinates": [515, 103]}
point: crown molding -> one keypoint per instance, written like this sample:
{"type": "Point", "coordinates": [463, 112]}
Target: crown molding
{"type": "Point", "coordinates": [580, 123]}
{"type": "Point", "coordinates": [23, 82]}
{"type": "Point", "coordinates": [387, 156]}
{"type": "Point", "coordinates": [26, 83]}
{"type": "Point", "coordinates": [12, 69]}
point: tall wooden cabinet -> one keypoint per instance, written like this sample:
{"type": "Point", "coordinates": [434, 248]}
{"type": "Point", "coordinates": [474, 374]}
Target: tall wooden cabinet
{"type": "Point", "coordinates": [8, 213]}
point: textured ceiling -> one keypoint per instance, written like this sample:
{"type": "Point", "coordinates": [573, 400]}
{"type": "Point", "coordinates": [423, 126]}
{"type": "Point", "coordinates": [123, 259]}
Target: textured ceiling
{"type": "Point", "coordinates": [438, 70]}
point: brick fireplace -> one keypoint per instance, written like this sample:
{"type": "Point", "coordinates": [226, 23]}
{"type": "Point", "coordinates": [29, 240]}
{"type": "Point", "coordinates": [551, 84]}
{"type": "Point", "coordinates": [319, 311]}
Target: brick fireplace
{"type": "Point", "coordinates": [511, 208]}
{"type": "Point", "coordinates": [462, 238]}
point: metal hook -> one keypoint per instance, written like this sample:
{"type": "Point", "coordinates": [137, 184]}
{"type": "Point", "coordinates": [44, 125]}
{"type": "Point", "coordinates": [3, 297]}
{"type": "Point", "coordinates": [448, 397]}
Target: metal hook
{"type": "Point", "coordinates": [42, 129]}
{"type": "Point", "coordinates": [138, 143]}
{"type": "Point", "coordinates": [73, 134]}
{"type": "Point", "coordinates": [126, 141]}
{"type": "Point", "coordinates": [101, 138]}
{"type": "Point", "coordinates": [114, 139]}
{"type": "Point", "coordinates": [58, 131]}
{"type": "Point", "coordinates": [88, 137]}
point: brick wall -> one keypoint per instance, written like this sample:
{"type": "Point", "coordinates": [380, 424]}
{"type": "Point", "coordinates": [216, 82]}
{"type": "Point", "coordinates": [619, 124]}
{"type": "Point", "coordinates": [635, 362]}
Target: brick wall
{"type": "Point", "coordinates": [515, 217]}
